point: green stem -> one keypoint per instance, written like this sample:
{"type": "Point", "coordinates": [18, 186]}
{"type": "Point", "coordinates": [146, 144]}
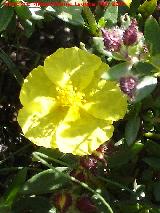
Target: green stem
{"type": "Point", "coordinates": [151, 135]}
{"type": "Point", "coordinates": [84, 185]}
{"type": "Point", "coordinates": [102, 178]}
{"type": "Point", "coordinates": [116, 184]}
{"type": "Point", "coordinates": [53, 159]}
{"type": "Point", "coordinates": [92, 24]}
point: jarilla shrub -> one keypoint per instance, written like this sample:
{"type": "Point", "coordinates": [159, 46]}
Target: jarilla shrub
{"type": "Point", "coordinates": [66, 104]}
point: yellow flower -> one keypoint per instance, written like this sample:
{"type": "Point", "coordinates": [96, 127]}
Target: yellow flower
{"type": "Point", "coordinates": [67, 106]}
{"type": "Point", "coordinates": [127, 2]}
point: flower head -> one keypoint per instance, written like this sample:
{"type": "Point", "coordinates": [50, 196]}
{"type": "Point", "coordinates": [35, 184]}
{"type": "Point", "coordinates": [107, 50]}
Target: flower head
{"type": "Point", "coordinates": [112, 39]}
{"type": "Point", "coordinates": [128, 85]}
{"type": "Point", "coordinates": [67, 106]}
{"type": "Point", "coordinates": [130, 35]}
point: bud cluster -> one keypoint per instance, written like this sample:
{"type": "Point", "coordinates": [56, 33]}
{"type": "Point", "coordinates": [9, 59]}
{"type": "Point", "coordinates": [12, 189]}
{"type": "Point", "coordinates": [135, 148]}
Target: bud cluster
{"type": "Point", "coordinates": [130, 35]}
{"type": "Point", "coordinates": [112, 39]}
{"type": "Point", "coordinates": [64, 200]}
{"type": "Point", "coordinates": [116, 37]}
{"type": "Point", "coordinates": [128, 85]}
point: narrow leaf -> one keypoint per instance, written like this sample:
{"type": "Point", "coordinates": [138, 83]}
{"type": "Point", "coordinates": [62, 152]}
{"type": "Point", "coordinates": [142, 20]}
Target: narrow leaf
{"type": "Point", "coordinates": [47, 178]}
{"type": "Point", "coordinates": [151, 34]}
{"type": "Point", "coordinates": [15, 187]}
{"type": "Point", "coordinates": [145, 87]}
{"type": "Point", "coordinates": [153, 162]}
{"type": "Point", "coordinates": [148, 7]}
{"type": "Point", "coordinates": [131, 129]}
{"type": "Point", "coordinates": [111, 14]}
{"type": "Point", "coordinates": [117, 71]}
{"type": "Point", "coordinates": [11, 66]}
{"type": "Point", "coordinates": [6, 14]}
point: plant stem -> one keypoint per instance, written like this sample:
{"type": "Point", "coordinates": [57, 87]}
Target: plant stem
{"type": "Point", "coordinates": [53, 159]}
{"type": "Point", "coordinates": [84, 185]}
{"type": "Point", "coordinates": [116, 184]}
{"type": "Point", "coordinates": [152, 135]}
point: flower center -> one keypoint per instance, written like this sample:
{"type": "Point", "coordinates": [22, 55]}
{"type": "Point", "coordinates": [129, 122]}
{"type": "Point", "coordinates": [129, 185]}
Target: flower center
{"type": "Point", "coordinates": [69, 96]}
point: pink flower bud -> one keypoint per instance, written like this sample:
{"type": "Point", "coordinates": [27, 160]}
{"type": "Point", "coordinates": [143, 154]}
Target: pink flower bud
{"type": "Point", "coordinates": [85, 205]}
{"type": "Point", "coordinates": [89, 162]}
{"type": "Point", "coordinates": [78, 174]}
{"type": "Point", "coordinates": [130, 35]}
{"type": "Point", "coordinates": [112, 39]}
{"type": "Point", "coordinates": [128, 85]}
{"type": "Point", "coordinates": [62, 201]}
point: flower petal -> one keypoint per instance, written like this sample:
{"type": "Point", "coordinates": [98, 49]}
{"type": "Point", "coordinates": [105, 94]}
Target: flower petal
{"type": "Point", "coordinates": [95, 84]}
{"type": "Point", "coordinates": [71, 64]}
{"type": "Point", "coordinates": [36, 84]}
{"type": "Point", "coordinates": [83, 135]}
{"type": "Point", "coordinates": [107, 103]}
{"type": "Point", "coordinates": [39, 120]}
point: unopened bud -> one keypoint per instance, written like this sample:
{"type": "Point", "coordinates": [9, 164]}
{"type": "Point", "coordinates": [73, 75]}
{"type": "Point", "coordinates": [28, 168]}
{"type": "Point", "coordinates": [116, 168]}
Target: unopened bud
{"type": "Point", "coordinates": [78, 174]}
{"type": "Point", "coordinates": [128, 85]}
{"type": "Point", "coordinates": [85, 205]}
{"type": "Point", "coordinates": [112, 39]}
{"type": "Point", "coordinates": [89, 162]}
{"type": "Point", "coordinates": [63, 201]}
{"type": "Point", "coordinates": [130, 35]}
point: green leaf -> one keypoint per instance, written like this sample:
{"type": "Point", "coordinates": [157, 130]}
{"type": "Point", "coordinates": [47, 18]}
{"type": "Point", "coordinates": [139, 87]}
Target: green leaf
{"type": "Point", "coordinates": [156, 192]}
{"type": "Point", "coordinates": [155, 61]}
{"type": "Point", "coordinates": [71, 14]}
{"type": "Point", "coordinates": [145, 87]}
{"type": "Point", "coordinates": [143, 68]}
{"type": "Point", "coordinates": [45, 182]}
{"type": "Point", "coordinates": [28, 27]}
{"type": "Point", "coordinates": [33, 204]}
{"type": "Point", "coordinates": [6, 14]}
{"type": "Point", "coordinates": [153, 162]}
{"type": "Point", "coordinates": [151, 34]}
{"type": "Point", "coordinates": [29, 12]}
{"type": "Point", "coordinates": [5, 209]}
{"type": "Point", "coordinates": [111, 14]}
{"type": "Point", "coordinates": [12, 68]}
{"type": "Point", "coordinates": [124, 156]}
{"type": "Point", "coordinates": [15, 187]}
{"type": "Point", "coordinates": [23, 12]}
{"type": "Point", "coordinates": [131, 129]}
{"type": "Point", "coordinates": [148, 7]}
{"type": "Point", "coordinates": [58, 157]}
{"type": "Point", "coordinates": [117, 71]}
{"type": "Point", "coordinates": [152, 148]}
{"type": "Point", "coordinates": [37, 13]}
